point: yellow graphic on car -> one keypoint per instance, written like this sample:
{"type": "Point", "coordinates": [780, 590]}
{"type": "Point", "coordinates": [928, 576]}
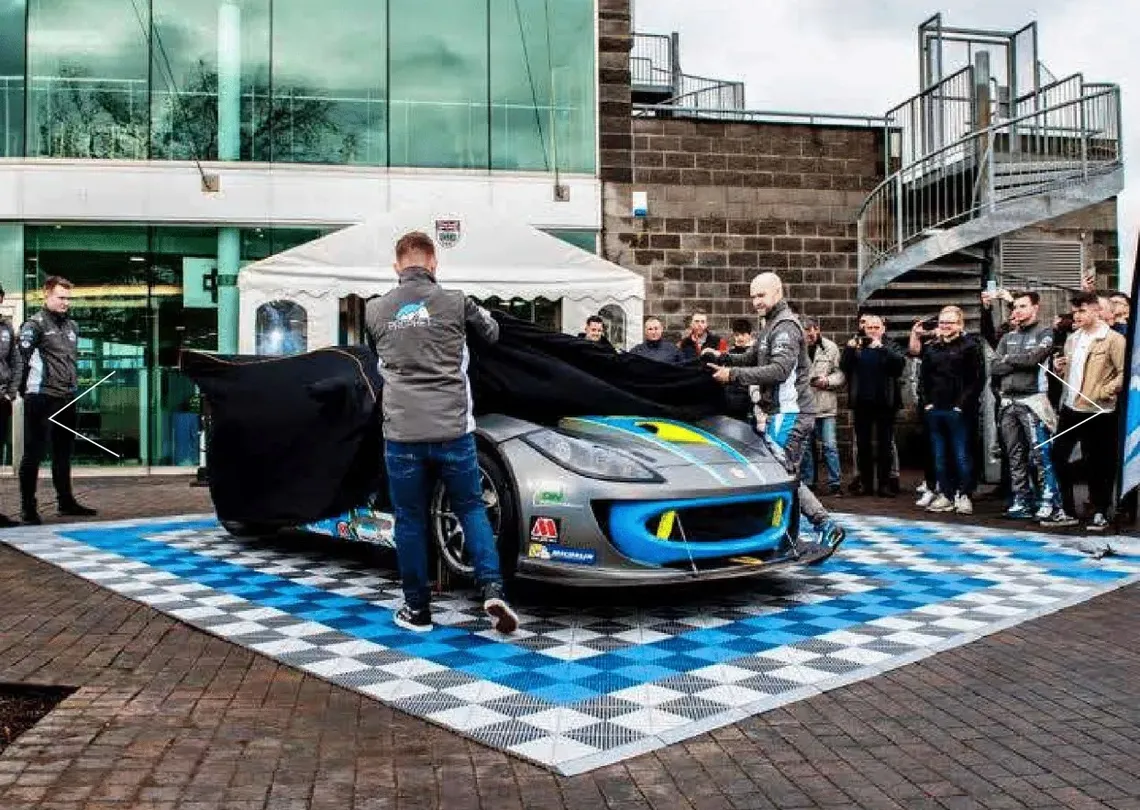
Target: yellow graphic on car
{"type": "Point", "coordinates": [672, 433]}
{"type": "Point", "coordinates": [665, 525]}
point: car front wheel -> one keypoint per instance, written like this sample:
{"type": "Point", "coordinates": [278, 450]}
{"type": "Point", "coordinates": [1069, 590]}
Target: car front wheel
{"type": "Point", "coordinates": [499, 500]}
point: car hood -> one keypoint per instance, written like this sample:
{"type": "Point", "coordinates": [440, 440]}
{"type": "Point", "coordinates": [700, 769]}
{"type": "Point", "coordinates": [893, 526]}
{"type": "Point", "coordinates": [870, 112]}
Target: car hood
{"type": "Point", "coordinates": [664, 443]}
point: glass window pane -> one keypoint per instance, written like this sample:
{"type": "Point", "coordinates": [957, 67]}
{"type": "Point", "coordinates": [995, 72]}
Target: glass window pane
{"type": "Point", "coordinates": [542, 85]}
{"type": "Point", "coordinates": [184, 315]}
{"type": "Point", "coordinates": [282, 328]}
{"type": "Point", "coordinates": [87, 73]}
{"type": "Point", "coordinates": [586, 240]}
{"type": "Point", "coordinates": [110, 305]}
{"type": "Point", "coordinates": [211, 80]}
{"type": "Point", "coordinates": [438, 84]}
{"type": "Point", "coordinates": [12, 28]}
{"type": "Point", "coordinates": [329, 83]}
{"type": "Point", "coordinates": [614, 318]}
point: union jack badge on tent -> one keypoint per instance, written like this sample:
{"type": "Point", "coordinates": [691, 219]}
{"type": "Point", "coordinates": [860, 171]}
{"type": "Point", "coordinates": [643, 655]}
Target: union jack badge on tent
{"type": "Point", "coordinates": [448, 232]}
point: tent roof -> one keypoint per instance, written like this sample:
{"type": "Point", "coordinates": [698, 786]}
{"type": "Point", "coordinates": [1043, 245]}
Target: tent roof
{"type": "Point", "coordinates": [494, 257]}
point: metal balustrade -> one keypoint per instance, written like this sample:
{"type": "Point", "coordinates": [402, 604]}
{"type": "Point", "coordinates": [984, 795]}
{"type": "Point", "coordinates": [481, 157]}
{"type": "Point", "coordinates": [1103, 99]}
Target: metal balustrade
{"type": "Point", "coordinates": [927, 121]}
{"type": "Point", "coordinates": [655, 68]}
{"type": "Point", "coordinates": [1058, 147]}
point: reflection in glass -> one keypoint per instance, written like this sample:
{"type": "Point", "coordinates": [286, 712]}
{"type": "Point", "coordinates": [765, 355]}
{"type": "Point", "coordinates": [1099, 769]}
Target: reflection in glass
{"type": "Point", "coordinates": [438, 84]}
{"type": "Point", "coordinates": [210, 64]}
{"type": "Point", "coordinates": [329, 83]}
{"type": "Point", "coordinates": [540, 311]}
{"type": "Point", "coordinates": [110, 305]}
{"type": "Point", "coordinates": [542, 85]}
{"type": "Point", "coordinates": [614, 318]}
{"type": "Point", "coordinates": [282, 328]}
{"type": "Point", "coordinates": [12, 41]}
{"type": "Point", "coordinates": [502, 84]}
{"type": "Point", "coordinates": [87, 74]}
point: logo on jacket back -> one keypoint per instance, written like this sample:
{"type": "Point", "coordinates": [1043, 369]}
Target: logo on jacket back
{"type": "Point", "coordinates": [413, 314]}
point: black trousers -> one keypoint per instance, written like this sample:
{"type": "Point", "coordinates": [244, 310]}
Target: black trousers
{"type": "Point", "coordinates": [1096, 434]}
{"type": "Point", "coordinates": [5, 428]}
{"type": "Point", "coordinates": [39, 430]}
{"type": "Point", "coordinates": [871, 425]}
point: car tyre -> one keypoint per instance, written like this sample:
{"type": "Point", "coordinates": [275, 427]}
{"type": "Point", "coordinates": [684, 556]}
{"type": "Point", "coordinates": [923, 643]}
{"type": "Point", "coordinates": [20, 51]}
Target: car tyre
{"type": "Point", "coordinates": [502, 508]}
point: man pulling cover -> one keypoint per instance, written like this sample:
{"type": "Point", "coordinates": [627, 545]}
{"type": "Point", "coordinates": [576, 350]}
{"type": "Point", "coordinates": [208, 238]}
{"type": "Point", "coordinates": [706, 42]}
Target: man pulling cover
{"type": "Point", "coordinates": [419, 331]}
{"type": "Point", "coordinates": [779, 365]}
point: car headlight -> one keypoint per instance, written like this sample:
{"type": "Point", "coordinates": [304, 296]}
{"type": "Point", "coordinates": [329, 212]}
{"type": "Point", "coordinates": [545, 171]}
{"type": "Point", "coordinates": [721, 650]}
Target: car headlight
{"type": "Point", "coordinates": [589, 459]}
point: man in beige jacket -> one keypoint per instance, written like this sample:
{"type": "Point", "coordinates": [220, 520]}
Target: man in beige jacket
{"type": "Point", "coordinates": [1093, 369]}
{"type": "Point", "coordinates": [825, 379]}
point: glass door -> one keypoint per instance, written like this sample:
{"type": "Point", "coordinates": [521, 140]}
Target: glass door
{"type": "Point", "coordinates": [109, 304]}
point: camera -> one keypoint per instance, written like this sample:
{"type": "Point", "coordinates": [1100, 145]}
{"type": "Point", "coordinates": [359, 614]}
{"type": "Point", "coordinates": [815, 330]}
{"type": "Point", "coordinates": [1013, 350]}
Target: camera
{"type": "Point", "coordinates": [864, 341]}
{"type": "Point", "coordinates": [930, 324]}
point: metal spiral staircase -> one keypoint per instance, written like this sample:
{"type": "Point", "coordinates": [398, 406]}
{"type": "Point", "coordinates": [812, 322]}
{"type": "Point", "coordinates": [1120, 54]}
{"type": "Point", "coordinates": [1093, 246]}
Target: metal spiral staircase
{"type": "Point", "coordinates": [997, 146]}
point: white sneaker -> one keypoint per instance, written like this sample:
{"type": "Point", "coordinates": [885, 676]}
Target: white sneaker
{"type": "Point", "coordinates": [963, 506]}
{"type": "Point", "coordinates": [1099, 523]}
{"type": "Point", "coordinates": [1060, 520]}
{"type": "Point", "coordinates": [941, 504]}
{"type": "Point", "coordinates": [922, 488]}
{"type": "Point", "coordinates": [927, 498]}
{"type": "Point", "coordinates": [1044, 512]}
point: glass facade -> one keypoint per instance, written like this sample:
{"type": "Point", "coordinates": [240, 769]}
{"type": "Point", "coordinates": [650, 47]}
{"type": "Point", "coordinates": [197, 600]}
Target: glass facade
{"type": "Point", "coordinates": [477, 84]}
{"type": "Point", "coordinates": [13, 14]}
{"type": "Point", "coordinates": [141, 295]}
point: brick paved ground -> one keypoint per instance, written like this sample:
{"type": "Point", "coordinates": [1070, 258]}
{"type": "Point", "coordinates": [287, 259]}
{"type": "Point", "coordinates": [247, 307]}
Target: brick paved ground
{"type": "Point", "coordinates": [1040, 716]}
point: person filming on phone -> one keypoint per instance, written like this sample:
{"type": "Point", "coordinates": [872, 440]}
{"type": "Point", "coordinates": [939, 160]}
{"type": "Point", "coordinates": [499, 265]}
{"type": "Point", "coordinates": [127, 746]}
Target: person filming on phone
{"type": "Point", "coordinates": [872, 365]}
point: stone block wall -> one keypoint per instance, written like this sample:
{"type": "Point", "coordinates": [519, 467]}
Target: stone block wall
{"type": "Point", "coordinates": [728, 200]}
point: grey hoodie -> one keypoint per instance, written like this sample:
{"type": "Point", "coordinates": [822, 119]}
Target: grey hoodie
{"type": "Point", "coordinates": [419, 332]}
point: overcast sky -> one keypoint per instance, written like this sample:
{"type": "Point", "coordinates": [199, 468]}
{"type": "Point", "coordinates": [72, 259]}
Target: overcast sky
{"type": "Point", "coordinates": [861, 56]}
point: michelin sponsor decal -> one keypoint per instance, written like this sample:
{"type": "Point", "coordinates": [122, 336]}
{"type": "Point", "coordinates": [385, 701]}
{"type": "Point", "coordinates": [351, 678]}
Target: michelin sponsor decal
{"type": "Point", "coordinates": [562, 554]}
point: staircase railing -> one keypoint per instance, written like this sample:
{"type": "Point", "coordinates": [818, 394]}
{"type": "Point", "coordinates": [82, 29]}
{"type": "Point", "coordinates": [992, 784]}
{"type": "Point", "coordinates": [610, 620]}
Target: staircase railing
{"type": "Point", "coordinates": [652, 60]}
{"type": "Point", "coordinates": [1051, 148]}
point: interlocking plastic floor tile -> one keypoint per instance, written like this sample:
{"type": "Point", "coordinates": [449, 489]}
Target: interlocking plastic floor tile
{"type": "Point", "coordinates": [580, 687]}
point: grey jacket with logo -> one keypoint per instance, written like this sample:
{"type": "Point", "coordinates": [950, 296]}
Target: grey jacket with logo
{"type": "Point", "coordinates": [419, 332]}
{"type": "Point", "coordinates": [778, 363]}
{"type": "Point", "coordinates": [11, 361]}
{"type": "Point", "coordinates": [48, 343]}
{"type": "Point", "coordinates": [1017, 360]}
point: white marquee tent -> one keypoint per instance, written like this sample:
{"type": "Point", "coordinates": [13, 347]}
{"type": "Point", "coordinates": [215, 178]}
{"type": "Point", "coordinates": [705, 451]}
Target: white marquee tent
{"type": "Point", "coordinates": [482, 253]}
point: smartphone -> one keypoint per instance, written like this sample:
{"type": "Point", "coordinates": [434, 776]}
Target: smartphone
{"type": "Point", "coordinates": [991, 286]}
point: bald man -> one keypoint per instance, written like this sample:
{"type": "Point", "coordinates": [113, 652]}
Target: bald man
{"type": "Point", "coordinates": [778, 364]}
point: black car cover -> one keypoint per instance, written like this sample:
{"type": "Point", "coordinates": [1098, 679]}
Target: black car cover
{"type": "Point", "coordinates": [296, 439]}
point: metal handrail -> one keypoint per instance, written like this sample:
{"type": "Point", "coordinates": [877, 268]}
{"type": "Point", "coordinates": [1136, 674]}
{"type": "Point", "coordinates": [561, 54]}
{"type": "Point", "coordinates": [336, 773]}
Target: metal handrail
{"type": "Point", "coordinates": [747, 116]}
{"type": "Point", "coordinates": [941, 188]}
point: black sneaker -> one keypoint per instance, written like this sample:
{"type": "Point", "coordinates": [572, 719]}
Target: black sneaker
{"type": "Point", "coordinates": [418, 621]}
{"type": "Point", "coordinates": [30, 517]}
{"type": "Point", "coordinates": [495, 606]}
{"type": "Point", "coordinates": [7, 522]}
{"type": "Point", "coordinates": [76, 509]}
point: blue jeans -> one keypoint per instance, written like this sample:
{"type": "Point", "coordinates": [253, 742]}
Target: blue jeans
{"type": "Point", "coordinates": [950, 444]}
{"type": "Point", "coordinates": [410, 467]}
{"type": "Point", "coordinates": [825, 432]}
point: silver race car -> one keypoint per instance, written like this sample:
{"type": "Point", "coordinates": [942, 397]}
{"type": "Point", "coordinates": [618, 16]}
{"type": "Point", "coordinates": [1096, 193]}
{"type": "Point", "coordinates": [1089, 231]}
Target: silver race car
{"type": "Point", "coordinates": [616, 501]}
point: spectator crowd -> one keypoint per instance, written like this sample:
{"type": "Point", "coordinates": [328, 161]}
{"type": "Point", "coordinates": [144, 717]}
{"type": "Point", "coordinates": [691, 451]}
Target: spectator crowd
{"type": "Point", "coordinates": [1054, 387]}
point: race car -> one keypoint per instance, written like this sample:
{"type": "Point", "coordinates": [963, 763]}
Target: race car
{"type": "Point", "coordinates": [677, 491]}
{"type": "Point", "coordinates": [599, 500]}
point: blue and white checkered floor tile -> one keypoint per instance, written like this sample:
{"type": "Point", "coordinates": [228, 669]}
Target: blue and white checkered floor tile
{"type": "Point", "coordinates": [577, 688]}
